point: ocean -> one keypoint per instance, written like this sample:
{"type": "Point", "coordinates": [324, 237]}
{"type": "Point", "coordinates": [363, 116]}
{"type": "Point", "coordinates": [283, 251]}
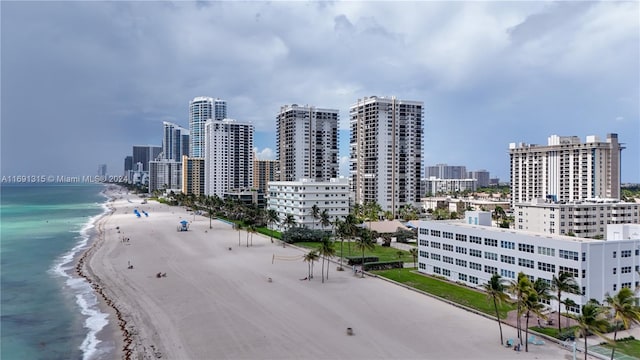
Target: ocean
{"type": "Point", "coordinates": [46, 311]}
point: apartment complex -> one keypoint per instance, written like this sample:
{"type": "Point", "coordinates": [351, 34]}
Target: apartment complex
{"type": "Point", "coordinates": [175, 141]}
{"type": "Point", "coordinates": [386, 151]}
{"type": "Point", "coordinates": [307, 143]}
{"type": "Point", "coordinates": [297, 198]}
{"type": "Point", "coordinates": [471, 251]}
{"type": "Point", "coordinates": [566, 169]}
{"type": "Point", "coordinates": [201, 109]}
{"type": "Point", "coordinates": [264, 171]}
{"type": "Point", "coordinates": [192, 175]}
{"type": "Point", "coordinates": [434, 186]}
{"type": "Point", "coordinates": [165, 174]}
{"type": "Point", "coordinates": [228, 157]}
{"type": "Point", "coordinates": [444, 171]}
{"type": "Point", "coordinates": [481, 177]}
{"type": "Point", "coordinates": [583, 218]}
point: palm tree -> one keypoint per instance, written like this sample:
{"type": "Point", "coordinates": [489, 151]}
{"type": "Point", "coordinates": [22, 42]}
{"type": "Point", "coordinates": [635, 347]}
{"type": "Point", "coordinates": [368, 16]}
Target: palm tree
{"type": "Point", "coordinates": [414, 254]}
{"type": "Point", "coordinates": [310, 257]}
{"type": "Point", "coordinates": [315, 213]}
{"type": "Point", "coordinates": [518, 288]}
{"type": "Point", "coordinates": [564, 282]}
{"type": "Point", "coordinates": [325, 219]}
{"type": "Point", "coordinates": [495, 290]}
{"type": "Point", "coordinates": [326, 250]}
{"type": "Point", "coordinates": [624, 310]}
{"type": "Point", "coordinates": [531, 303]}
{"type": "Point", "coordinates": [349, 229]}
{"type": "Point", "coordinates": [252, 229]}
{"type": "Point", "coordinates": [339, 230]}
{"type": "Point", "coordinates": [568, 303]}
{"type": "Point", "coordinates": [272, 219]}
{"type": "Point", "coordinates": [591, 320]}
{"type": "Point", "coordinates": [289, 221]}
{"type": "Point", "coordinates": [364, 242]}
{"type": "Point", "coordinates": [372, 210]}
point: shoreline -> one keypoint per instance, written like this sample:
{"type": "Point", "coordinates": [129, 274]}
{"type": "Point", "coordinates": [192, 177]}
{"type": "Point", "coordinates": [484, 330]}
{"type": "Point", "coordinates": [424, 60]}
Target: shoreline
{"type": "Point", "coordinates": [115, 331]}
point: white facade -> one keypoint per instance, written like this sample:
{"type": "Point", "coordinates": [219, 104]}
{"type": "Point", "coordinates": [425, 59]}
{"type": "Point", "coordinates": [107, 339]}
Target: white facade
{"type": "Point", "coordinates": [386, 151]}
{"type": "Point", "coordinates": [164, 174]}
{"type": "Point", "coordinates": [298, 198]}
{"type": "Point", "coordinates": [433, 185]}
{"type": "Point", "coordinates": [468, 253]}
{"type": "Point", "coordinates": [566, 169]}
{"type": "Point", "coordinates": [307, 143]}
{"type": "Point", "coordinates": [228, 160]}
{"type": "Point", "coordinates": [587, 218]}
{"type": "Point", "coordinates": [201, 109]}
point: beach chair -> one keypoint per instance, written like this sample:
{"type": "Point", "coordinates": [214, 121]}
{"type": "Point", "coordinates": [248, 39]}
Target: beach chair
{"type": "Point", "coordinates": [509, 343]}
{"type": "Point", "coordinates": [532, 340]}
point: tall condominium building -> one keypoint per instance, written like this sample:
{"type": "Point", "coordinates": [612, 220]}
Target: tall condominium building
{"type": "Point", "coordinates": [175, 141]}
{"type": "Point", "coordinates": [128, 163]}
{"type": "Point", "coordinates": [201, 109]}
{"type": "Point", "coordinates": [566, 169]}
{"type": "Point", "coordinates": [386, 151]}
{"type": "Point", "coordinates": [444, 171]}
{"type": "Point", "coordinates": [102, 170]}
{"type": "Point", "coordinates": [228, 156]}
{"type": "Point", "coordinates": [192, 175]}
{"type": "Point", "coordinates": [145, 153]}
{"type": "Point", "coordinates": [263, 172]}
{"type": "Point", "coordinates": [307, 143]}
{"type": "Point", "coordinates": [165, 174]}
{"type": "Point", "coordinates": [481, 177]}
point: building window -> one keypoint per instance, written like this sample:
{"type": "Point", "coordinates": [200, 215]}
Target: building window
{"type": "Point", "coordinates": [584, 273]}
{"type": "Point", "coordinates": [475, 239]}
{"type": "Point", "coordinates": [614, 254]}
{"type": "Point", "coordinates": [474, 252]}
{"type": "Point", "coordinates": [490, 269]}
{"type": "Point", "coordinates": [424, 254]}
{"type": "Point", "coordinates": [435, 257]}
{"type": "Point", "coordinates": [570, 255]}
{"type": "Point", "coordinates": [461, 250]}
{"type": "Point", "coordinates": [491, 242]}
{"type": "Point", "coordinates": [424, 243]}
{"type": "Point", "coordinates": [447, 235]}
{"type": "Point", "coordinates": [625, 269]}
{"type": "Point", "coordinates": [462, 277]}
{"type": "Point", "coordinates": [526, 263]}
{"type": "Point", "coordinates": [625, 253]}
{"type": "Point", "coordinates": [507, 273]}
{"type": "Point", "coordinates": [573, 272]}
{"type": "Point", "coordinates": [625, 285]}
{"type": "Point", "coordinates": [461, 262]}
{"type": "Point", "coordinates": [615, 286]}
{"type": "Point", "coordinates": [435, 245]}
{"type": "Point", "coordinates": [435, 233]}
{"type": "Point", "coordinates": [461, 237]}
{"type": "Point", "coordinates": [447, 259]}
{"type": "Point", "coordinates": [422, 266]}
{"type": "Point", "coordinates": [546, 251]}
{"type": "Point", "coordinates": [546, 267]}
{"type": "Point", "coordinates": [475, 266]}
{"type": "Point", "coordinates": [473, 280]}
{"type": "Point", "coordinates": [447, 247]}
{"type": "Point", "coordinates": [446, 272]}
{"type": "Point", "coordinates": [490, 256]}
{"type": "Point", "coordinates": [507, 244]}
{"type": "Point", "coordinates": [437, 270]}
{"type": "Point", "coordinates": [526, 248]}
{"type": "Point", "coordinates": [507, 259]}
{"type": "Point", "coordinates": [615, 270]}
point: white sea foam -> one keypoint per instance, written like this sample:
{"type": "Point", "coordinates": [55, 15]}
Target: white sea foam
{"type": "Point", "coordinates": [84, 294]}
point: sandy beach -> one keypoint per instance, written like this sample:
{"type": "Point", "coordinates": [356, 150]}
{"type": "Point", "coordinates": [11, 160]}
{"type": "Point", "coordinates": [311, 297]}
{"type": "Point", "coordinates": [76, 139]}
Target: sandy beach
{"type": "Point", "coordinates": [221, 300]}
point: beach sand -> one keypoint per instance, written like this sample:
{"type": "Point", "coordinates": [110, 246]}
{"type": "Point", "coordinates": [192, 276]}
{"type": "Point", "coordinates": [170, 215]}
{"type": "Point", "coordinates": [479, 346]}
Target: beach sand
{"type": "Point", "coordinates": [220, 300]}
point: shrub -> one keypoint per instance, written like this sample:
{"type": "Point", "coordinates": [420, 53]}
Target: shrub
{"type": "Point", "coordinates": [357, 260]}
{"type": "Point", "coordinates": [383, 265]}
{"type": "Point", "coordinates": [300, 234]}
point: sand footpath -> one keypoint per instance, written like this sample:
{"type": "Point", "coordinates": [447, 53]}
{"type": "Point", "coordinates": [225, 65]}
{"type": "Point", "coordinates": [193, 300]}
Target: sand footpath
{"type": "Point", "coordinates": [220, 300]}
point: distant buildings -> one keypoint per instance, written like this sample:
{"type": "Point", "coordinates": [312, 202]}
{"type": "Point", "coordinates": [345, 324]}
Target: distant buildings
{"type": "Point", "coordinates": [584, 218]}
{"type": "Point", "coordinates": [470, 252]}
{"type": "Point", "coordinates": [307, 143]}
{"type": "Point", "coordinates": [481, 177]}
{"type": "Point", "coordinates": [175, 141]}
{"type": "Point", "coordinates": [565, 169]}
{"type": "Point", "coordinates": [228, 156]}
{"type": "Point", "coordinates": [444, 171]}
{"type": "Point", "coordinates": [201, 109]}
{"type": "Point", "coordinates": [165, 174]}
{"type": "Point", "coordinates": [264, 171]}
{"type": "Point", "coordinates": [128, 164]}
{"type": "Point", "coordinates": [433, 186]}
{"type": "Point", "coordinates": [448, 179]}
{"type": "Point", "coordinates": [386, 151]}
{"type": "Point", "coordinates": [102, 170]}
{"type": "Point", "coordinates": [145, 153]}
{"type": "Point", "coordinates": [297, 198]}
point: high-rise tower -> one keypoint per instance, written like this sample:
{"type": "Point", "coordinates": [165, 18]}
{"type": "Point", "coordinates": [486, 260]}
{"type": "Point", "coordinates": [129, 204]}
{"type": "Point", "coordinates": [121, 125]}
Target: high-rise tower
{"type": "Point", "coordinates": [201, 109]}
{"type": "Point", "coordinates": [566, 169]}
{"type": "Point", "coordinates": [175, 141]}
{"type": "Point", "coordinates": [386, 151]}
{"type": "Point", "coordinates": [307, 143]}
{"type": "Point", "coordinates": [228, 158]}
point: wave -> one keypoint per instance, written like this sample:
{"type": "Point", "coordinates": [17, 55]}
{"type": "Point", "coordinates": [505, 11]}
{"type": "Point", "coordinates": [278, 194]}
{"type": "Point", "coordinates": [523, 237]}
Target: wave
{"type": "Point", "coordinates": [85, 297]}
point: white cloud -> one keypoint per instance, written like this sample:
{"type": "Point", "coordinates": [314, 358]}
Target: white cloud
{"type": "Point", "coordinates": [265, 154]}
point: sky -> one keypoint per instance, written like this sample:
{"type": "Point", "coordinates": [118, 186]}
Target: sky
{"type": "Point", "coordinates": [82, 82]}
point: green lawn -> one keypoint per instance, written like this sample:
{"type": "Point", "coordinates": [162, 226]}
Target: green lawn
{"type": "Point", "coordinates": [444, 289]}
{"type": "Point", "coordinates": [383, 253]}
{"type": "Point", "coordinates": [628, 347]}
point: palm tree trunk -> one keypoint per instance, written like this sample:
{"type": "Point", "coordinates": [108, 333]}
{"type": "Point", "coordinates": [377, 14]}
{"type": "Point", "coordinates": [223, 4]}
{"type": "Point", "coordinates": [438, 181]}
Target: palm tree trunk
{"type": "Point", "coordinates": [362, 264]}
{"type": "Point", "coordinates": [615, 334]}
{"type": "Point", "coordinates": [328, 265]}
{"type": "Point", "coordinates": [341, 253]}
{"type": "Point", "coordinates": [526, 334]}
{"type": "Point", "coordinates": [322, 272]}
{"type": "Point", "coordinates": [495, 305]}
{"type": "Point", "coordinates": [309, 271]}
{"type": "Point", "coordinates": [585, 345]}
{"type": "Point", "coordinates": [559, 323]}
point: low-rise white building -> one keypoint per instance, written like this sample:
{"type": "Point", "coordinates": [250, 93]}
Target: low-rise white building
{"type": "Point", "coordinates": [471, 251]}
{"type": "Point", "coordinates": [298, 198]}
{"type": "Point", "coordinates": [585, 218]}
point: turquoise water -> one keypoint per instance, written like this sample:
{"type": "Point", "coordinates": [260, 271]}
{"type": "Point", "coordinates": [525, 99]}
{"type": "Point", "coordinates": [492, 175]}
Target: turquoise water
{"type": "Point", "coordinates": [46, 311]}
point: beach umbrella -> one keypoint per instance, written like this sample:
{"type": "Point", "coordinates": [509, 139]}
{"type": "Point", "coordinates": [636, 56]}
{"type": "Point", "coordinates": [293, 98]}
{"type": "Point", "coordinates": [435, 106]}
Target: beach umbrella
{"type": "Point", "coordinates": [184, 222]}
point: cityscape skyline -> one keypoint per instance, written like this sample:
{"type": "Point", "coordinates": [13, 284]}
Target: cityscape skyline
{"type": "Point", "coordinates": [486, 73]}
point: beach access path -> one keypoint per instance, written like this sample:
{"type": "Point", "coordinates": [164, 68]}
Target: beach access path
{"type": "Point", "coordinates": [221, 300]}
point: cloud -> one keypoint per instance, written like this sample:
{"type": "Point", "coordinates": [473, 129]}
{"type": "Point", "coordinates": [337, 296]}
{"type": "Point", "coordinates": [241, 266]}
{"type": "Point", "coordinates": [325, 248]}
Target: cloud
{"type": "Point", "coordinates": [265, 154]}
